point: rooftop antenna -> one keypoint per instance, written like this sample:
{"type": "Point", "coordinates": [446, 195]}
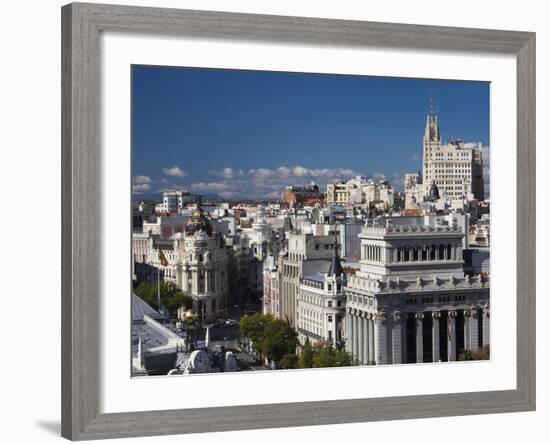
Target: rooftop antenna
{"type": "Point", "coordinates": [432, 107]}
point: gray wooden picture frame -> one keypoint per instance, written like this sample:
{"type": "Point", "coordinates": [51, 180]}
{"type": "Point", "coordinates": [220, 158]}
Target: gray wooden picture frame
{"type": "Point", "coordinates": [81, 232]}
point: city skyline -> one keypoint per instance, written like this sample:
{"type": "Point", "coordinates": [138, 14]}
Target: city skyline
{"type": "Point", "coordinates": [264, 130]}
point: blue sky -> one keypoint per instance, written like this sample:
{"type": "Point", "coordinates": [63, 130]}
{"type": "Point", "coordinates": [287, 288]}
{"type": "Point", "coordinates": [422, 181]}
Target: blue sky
{"type": "Point", "coordinates": [249, 133]}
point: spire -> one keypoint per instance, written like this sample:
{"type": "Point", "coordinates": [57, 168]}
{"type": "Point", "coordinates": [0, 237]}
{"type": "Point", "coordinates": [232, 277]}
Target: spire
{"type": "Point", "coordinates": [432, 112]}
{"type": "Point", "coordinates": [431, 133]}
{"type": "Point", "coordinates": [335, 266]}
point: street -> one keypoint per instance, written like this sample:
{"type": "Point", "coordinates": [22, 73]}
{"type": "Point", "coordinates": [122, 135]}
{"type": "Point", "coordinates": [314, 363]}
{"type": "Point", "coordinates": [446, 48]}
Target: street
{"type": "Point", "coordinates": [228, 337]}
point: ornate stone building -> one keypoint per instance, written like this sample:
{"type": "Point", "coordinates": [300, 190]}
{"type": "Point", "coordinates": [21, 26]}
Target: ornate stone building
{"type": "Point", "coordinates": [270, 300]}
{"type": "Point", "coordinates": [456, 167]}
{"type": "Point", "coordinates": [306, 255]}
{"type": "Point", "coordinates": [360, 191]}
{"type": "Point", "coordinates": [411, 301]}
{"type": "Point", "coordinates": [321, 305]}
{"type": "Point", "coordinates": [201, 262]}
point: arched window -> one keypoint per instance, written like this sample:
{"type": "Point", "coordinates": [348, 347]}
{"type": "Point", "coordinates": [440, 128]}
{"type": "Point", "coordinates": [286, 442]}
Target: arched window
{"type": "Point", "coordinates": [441, 252]}
{"type": "Point", "coordinates": [449, 252]}
{"type": "Point", "coordinates": [432, 252]}
{"type": "Point", "coordinates": [415, 253]}
{"type": "Point", "coordinates": [424, 253]}
{"type": "Point", "coordinates": [406, 253]}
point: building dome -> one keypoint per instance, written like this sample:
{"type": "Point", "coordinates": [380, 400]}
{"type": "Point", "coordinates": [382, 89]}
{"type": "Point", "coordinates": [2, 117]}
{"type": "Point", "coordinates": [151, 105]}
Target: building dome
{"type": "Point", "coordinates": [198, 222]}
{"type": "Point", "coordinates": [433, 193]}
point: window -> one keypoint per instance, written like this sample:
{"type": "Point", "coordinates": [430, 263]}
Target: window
{"type": "Point", "coordinates": [330, 318]}
{"type": "Point", "coordinates": [330, 303]}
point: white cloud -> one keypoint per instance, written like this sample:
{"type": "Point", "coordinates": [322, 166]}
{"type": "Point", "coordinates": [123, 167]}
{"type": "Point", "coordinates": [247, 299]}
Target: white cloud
{"type": "Point", "coordinates": [210, 186]}
{"type": "Point", "coordinates": [226, 173]}
{"type": "Point", "coordinates": [284, 171]}
{"type": "Point", "coordinates": [142, 180]}
{"type": "Point", "coordinates": [300, 171]}
{"type": "Point", "coordinates": [268, 182]}
{"type": "Point", "coordinates": [140, 188]}
{"type": "Point", "coordinates": [175, 171]}
{"type": "Point", "coordinates": [261, 172]}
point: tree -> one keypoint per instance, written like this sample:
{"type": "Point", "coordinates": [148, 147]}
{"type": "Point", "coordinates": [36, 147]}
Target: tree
{"type": "Point", "coordinates": [289, 361]}
{"type": "Point", "coordinates": [170, 295]}
{"type": "Point", "coordinates": [271, 337]}
{"type": "Point", "coordinates": [254, 328]}
{"type": "Point", "coordinates": [306, 356]}
{"type": "Point", "coordinates": [280, 339]}
{"type": "Point", "coordinates": [325, 355]}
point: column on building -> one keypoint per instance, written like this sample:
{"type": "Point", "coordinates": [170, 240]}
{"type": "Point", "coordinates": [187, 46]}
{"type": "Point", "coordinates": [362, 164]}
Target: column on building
{"type": "Point", "coordinates": [350, 332]}
{"type": "Point", "coordinates": [404, 337]}
{"type": "Point", "coordinates": [182, 271]}
{"type": "Point", "coordinates": [419, 337]}
{"type": "Point", "coordinates": [355, 351]}
{"type": "Point", "coordinates": [466, 329]}
{"type": "Point", "coordinates": [397, 335]}
{"type": "Point", "coordinates": [436, 316]}
{"type": "Point", "coordinates": [370, 323]}
{"type": "Point", "coordinates": [195, 281]}
{"type": "Point", "coordinates": [365, 350]}
{"type": "Point", "coordinates": [486, 326]}
{"type": "Point", "coordinates": [471, 325]}
{"type": "Point", "coordinates": [361, 338]}
{"type": "Point", "coordinates": [381, 339]}
{"type": "Point", "coordinates": [451, 335]}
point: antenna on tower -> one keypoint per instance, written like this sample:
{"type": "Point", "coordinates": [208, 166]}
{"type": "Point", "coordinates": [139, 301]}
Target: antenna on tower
{"type": "Point", "coordinates": [432, 110]}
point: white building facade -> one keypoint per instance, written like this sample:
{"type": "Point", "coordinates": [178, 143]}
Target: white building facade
{"type": "Point", "coordinates": [411, 301]}
{"type": "Point", "coordinates": [173, 201]}
{"type": "Point", "coordinates": [201, 261]}
{"type": "Point", "coordinates": [321, 306]}
{"type": "Point", "coordinates": [360, 191]}
{"type": "Point", "coordinates": [456, 167]}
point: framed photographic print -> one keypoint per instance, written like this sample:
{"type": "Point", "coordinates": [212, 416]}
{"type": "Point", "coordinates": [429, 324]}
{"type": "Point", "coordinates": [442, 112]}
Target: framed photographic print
{"type": "Point", "coordinates": [283, 221]}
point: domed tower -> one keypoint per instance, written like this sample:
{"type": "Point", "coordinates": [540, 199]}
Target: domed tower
{"type": "Point", "coordinates": [198, 222]}
{"type": "Point", "coordinates": [202, 265]}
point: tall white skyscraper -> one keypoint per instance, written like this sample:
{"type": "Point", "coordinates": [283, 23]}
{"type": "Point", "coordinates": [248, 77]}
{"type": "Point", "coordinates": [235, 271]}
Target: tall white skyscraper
{"type": "Point", "coordinates": [456, 168]}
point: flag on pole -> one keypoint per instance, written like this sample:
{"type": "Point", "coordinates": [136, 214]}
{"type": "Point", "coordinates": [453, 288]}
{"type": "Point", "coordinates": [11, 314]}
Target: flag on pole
{"type": "Point", "coordinates": [162, 258]}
